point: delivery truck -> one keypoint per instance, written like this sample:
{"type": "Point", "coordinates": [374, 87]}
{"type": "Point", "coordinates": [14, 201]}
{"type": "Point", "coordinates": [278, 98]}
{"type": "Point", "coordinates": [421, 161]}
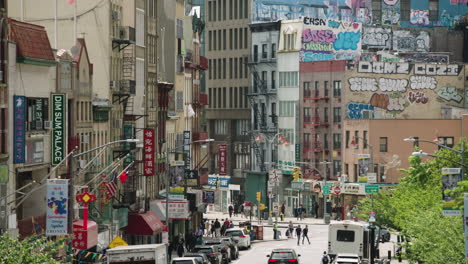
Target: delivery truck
{"type": "Point", "coordinates": [142, 254]}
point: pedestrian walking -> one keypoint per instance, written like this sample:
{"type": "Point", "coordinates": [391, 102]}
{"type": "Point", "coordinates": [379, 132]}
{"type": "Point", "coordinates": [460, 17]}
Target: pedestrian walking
{"type": "Point", "coordinates": [207, 228]}
{"type": "Point", "coordinates": [236, 209]}
{"type": "Point", "coordinates": [217, 226]}
{"type": "Point", "coordinates": [241, 210]}
{"type": "Point", "coordinates": [275, 230]}
{"type": "Point", "coordinates": [283, 208]}
{"type": "Point", "coordinates": [291, 230]}
{"type": "Point", "coordinates": [180, 248]}
{"type": "Point", "coordinates": [325, 258]}
{"type": "Point", "coordinates": [305, 231]}
{"type": "Point", "coordinates": [316, 207]}
{"type": "Point", "coordinates": [334, 215]}
{"type": "Point", "coordinates": [213, 229]}
{"type": "Point", "coordinates": [231, 210]}
{"type": "Point", "coordinates": [298, 233]}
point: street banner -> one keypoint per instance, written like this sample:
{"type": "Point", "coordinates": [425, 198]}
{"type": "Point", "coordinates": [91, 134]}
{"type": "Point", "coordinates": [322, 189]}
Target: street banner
{"type": "Point", "coordinates": [148, 137]}
{"type": "Point", "coordinates": [209, 197]}
{"type": "Point", "coordinates": [465, 220]}
{"type": "Point", "coordinates": [19, 136]}
{"type": "Point", "coordinates": [57, 207]}
{"type": "Point", "coordinates": [187, 140]}
{"type": "Point", "coordinates": [58, 128]}
{"type": "Point", "coordinates": [222, 160]}
{"type": "Point", "coordinates": [450, 179]}
{"type": "Point", "coordinates": [363, 166]}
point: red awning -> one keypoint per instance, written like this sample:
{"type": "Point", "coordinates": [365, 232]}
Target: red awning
{"type": "Point", "coordinates": [146, 224]}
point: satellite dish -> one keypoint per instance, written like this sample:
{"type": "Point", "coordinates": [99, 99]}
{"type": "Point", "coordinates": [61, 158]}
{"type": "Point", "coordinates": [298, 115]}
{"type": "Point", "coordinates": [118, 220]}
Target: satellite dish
{"type": "Point", "coordinates": [74, 50]}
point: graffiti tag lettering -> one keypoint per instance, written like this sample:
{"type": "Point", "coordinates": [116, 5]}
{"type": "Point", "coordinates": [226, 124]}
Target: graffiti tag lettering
{"type": "Point", "coordinates": [376, 37]}
{"type": "Point", "coordinates": [397, 104]}
{"type": "Point", "coordinates": [314, 21]}
{"type": "Point", "coordinates": [384, 68]}
{"type": "Point", "coordinates": [380, 100]}
{"type": "Point", "coordinates": [449, 93]}
{"type": "Point", "coordinates": [348, 41]}
{"type": "Point", "coordinates": [418, 98]}
{"type": "Point", "coordinates": [318, 36]}
{"type": "Point", "coordinates": [419, 17]}
{"type": "Point", "coordinates": [355, 110]}
{"type": "Point", "coordinates": [423, 82]}
{"type": "Point", "coordinates": [405, 40]}
{"type": "Point", "coordinates": [437, 69]}
{"type": "Point", "coordinates": [393, 85]}
{"type": "Point", "coordinates": [357, 84]}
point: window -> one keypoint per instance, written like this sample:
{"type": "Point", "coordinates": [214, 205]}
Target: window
{"type": "Point", "coordinates": [230, 9]}
{"type": "Point", "coordinates": [246, 92]}
{"type": "Point", "coordinates": [3, 131]}
{"type": "Point", "coordinates": [214, 68]}
{"type": "Point", "coordinates": [382, 171]}
{"type": "Point", "coordinates": [273, 113]}
{"type": "Point", "coordinates": [210, 40]}
{"type": "Point", "coordinates": [289, 41]}
{"type": "Point", "coordinates": [264, 51]}
{"type": "Point", "coordinates": [307, 118]}
{"type": "Point", "coordinates": [219, 39]}
{"type": "Point", "coordinates": [241, 37]}
{"type": "Point", "coordinates": [307, 140]}
{"type": "Point", "coordinates": [214, 11]}
{"type": "Point", "coordinates": [221, 127]}
{"type": "Point", "coordinates": [446, 141]}
{"type": "Point", "coordinates": [255, 53]}
{"type": "Point", "coordinates": [273, 50]}
{"type": "Point", "coordinates": [325, 141]}
{"type": "Point", "coordinates": [356, 139]}
{"type": "Point", "coordinates": [140, 27]}
{"type": "Point", "coordinates": [325, 115]}
{"type": "Point", "coordinates": [306, 89]}
{"type": "Point", "coordinates": [264, 76]}
{"type": "Point", "coordinates": [224, 9]}
{"type": "Point", "coordinates": [241, 97]}
{"type": "Point", "coordinates": [230, 68]}
{"type": "Point", "coordinates": [235, 38]}
{"type": "Point", "coordinates": [336, 141]}
{"type": "Point", "coordinates": [245, 37]}
{"type": "Point", "coordinates": [286, 108]}
{"type": "Point", "coordinates": [433, 10]}
{"type": "Point", "coordinates": [224, 68]}
{"type": "Point", "coordinates": [210, 11]}
{"type": "Point", "coordinates": [235, 68]}
{"type": "Point", "coordinates": [219, 98]}
{"type": "Point", "coordinates": [246, 10]}
{"type": "Point", "coordinates": [230, 39]}
{"type": "Point", "coordinates": [325, 89]}
{"type": "Point", "coordinates": [336, 114]}
{"type": "Point", "coordinates": [273, 80]}
{"type": "Point", "coordinates": [230, 97]}
{"type": "Point", "coordinates": [337, 168]}
{"type": "Point", "coordinates": [210, 97]}
{"type": "Point", "coordinates": [316, 89]}
{"type": "Point", "coordinates": [347, 138]}
{"type": "Point", "coordinates": [236, 95]}
{"type": "Point", "coordinates": [288, 79]}
{"type": "Point", "coordinates": [364, 137]}
{"type": "Point", "coordinates": [224, 39]}
{"type": "Point", "coordinates": [242, 126]}
{"type": "Point", "coordinates": [224, 97]}
{"type": "Point", "coordinates": [246, 69]}
{"type": "Point", "coordinates": [214, 98]}
{"type": "Point", "coordinates": [336, 88]}
{"type": "Point", "coordinates": [235, 8]}
{"type": "Point", "coordinates": [240, 67]}
{"type": "Point", "coordinates": [383, 144]}
{"type": "Point", "coordinates": [37, 113]}
{"type": "Point", "coordinates": [219, 68]}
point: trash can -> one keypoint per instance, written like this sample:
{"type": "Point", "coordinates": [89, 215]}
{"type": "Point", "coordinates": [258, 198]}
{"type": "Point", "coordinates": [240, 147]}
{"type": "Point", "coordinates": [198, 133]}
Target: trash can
{"type": "Point", "coordinates": [326, 219]}
{"type": "Point", "coordinates": [258, 231]}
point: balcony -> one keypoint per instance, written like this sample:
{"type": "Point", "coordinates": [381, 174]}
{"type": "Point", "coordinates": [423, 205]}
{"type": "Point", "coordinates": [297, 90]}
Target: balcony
{"type": "Point", "coordinates": [199, 136]}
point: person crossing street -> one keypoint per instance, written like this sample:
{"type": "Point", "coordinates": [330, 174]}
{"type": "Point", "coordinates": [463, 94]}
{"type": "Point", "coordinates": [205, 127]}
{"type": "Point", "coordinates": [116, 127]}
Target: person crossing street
{"type": "Point", "coordinates": [298, 233]}
{"type": "Point", "coordinates": [305, 231]}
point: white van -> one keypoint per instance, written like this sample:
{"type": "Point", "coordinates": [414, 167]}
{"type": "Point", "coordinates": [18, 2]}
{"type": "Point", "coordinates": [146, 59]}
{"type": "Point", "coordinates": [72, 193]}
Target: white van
{"type": "Point", "coordinates": [348, 237]}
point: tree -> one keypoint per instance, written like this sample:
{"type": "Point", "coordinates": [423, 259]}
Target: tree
{"type": "Point", "coordinates": [34, 250]}
{"type": "Point", "coordinates": [414, 208]}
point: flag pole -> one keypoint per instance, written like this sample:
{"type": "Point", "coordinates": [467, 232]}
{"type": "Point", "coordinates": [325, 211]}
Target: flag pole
{"type": "Point", "coordinates": [74, 22]}
{"type": "Point", "coordinates": [55, 24]}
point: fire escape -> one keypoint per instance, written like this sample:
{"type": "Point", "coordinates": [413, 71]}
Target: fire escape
{"type": "Point", "coordinates": [316, 148]}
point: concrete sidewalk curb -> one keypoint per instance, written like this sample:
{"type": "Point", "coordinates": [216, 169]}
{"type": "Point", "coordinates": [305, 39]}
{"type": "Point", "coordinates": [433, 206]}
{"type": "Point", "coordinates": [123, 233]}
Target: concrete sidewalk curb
{"type": "Point", "coordinates": [268, 240]}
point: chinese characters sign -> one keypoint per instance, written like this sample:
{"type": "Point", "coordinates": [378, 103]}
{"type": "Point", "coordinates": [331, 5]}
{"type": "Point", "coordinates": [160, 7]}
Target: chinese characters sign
{"type": "Point", "coordinates": [222, 160]}
{"type": "Point", "coordinates": [20, 129]}
{"type": "Point", "coordinates": [219, 181]}
{"type": "Point", "coordinates": [149, 152]}
{"type": "Point", "coordinates": [58, 126]}
{"type": "Point", "coordinates": [187, 149]}
{"type": "Point", "coordinates": [57, 207]}
{"type": "Point", "coordinates": [178, 209]}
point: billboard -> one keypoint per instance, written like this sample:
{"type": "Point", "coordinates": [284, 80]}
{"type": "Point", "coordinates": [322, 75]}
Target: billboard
{"type": "Point", "coordinates": [57, 207]}
{"type": "Point", "coordinates": [327, 39]}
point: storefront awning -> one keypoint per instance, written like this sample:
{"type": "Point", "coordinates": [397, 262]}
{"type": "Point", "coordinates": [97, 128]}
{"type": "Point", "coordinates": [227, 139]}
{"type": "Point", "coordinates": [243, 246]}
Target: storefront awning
{"type": "Point", "coordinates": [146, 224]}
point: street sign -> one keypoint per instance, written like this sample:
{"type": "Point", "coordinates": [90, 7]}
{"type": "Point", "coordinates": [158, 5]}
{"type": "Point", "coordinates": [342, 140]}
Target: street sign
{"type": "Point", "coordinates": [371, 177]}
{"type": "Point", "coordinates": [326, 190]}
{"type": "Point", "coordinates": [275, 207]}
{"type": "Point", "coordinates": [300, 185]}
{"type": "Point", "coordinates": [337, 190]}
{"type": "Point", "coordinates": [448, 171]}
{"type": "Point", "coordinates": [372, 188]}
{"type": "Point", "coordinates": [372, 216]}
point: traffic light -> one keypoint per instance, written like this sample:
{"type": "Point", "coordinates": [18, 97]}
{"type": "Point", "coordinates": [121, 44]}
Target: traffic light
{"type": "Point", "coordinates": [297, 174]}
{"type": "Point", "coordinates": [259, 196]}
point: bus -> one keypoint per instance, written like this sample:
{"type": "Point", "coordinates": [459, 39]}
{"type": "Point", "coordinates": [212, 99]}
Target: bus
{"type": "Point", "coordinates": [351, 237]}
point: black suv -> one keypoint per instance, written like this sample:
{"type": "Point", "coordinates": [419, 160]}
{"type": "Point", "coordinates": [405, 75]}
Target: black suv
{"type": "Point", "coordinates": [211, 252]}
{"type": "Point", "coordinates": [283, 256]}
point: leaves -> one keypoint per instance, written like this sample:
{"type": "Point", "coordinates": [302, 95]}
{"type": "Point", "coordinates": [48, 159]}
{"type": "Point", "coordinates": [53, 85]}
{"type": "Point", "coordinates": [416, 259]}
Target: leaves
{"type": "Point", "coordinates": [34, 250]}
{"type": "Point", "coordinates": [414, 208]}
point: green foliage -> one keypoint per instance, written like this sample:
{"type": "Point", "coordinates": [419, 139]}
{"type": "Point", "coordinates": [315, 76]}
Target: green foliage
{"type": "Point", "coordinates": [33, 250]}
{"type": "Point", "coordinates": [414, 208]}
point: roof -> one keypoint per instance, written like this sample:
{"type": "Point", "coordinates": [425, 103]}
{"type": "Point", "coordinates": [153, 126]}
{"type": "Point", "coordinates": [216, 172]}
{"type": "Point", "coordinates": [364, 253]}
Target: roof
{"type": "Point", "coordinates": [32, 43]}
{"type": "Point", "coordinates": [81, 45]}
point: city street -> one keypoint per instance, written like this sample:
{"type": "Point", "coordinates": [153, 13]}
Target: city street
{"type": "Point", "coordinates": [309, 253]}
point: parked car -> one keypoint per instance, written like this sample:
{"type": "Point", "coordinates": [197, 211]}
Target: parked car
{"type": "Point", "coordinates": [222, 247]}
{"type": "Point", "coordinates": [347, 259]}
{"type": "Point", "coordinates": [202, 257]}
{"type": "Point", "coordinates": [211, 252]}
{"type": "Point", "coordinates": [285, 255]}
{"type": "Point", "coordinates": [233, 245]}
{"type": "Point", "coordinates": [240, 236]}
{"type": "Point", "coordinates": [384, 234]}
{"type": "Point", "coordinates": [185, 260]}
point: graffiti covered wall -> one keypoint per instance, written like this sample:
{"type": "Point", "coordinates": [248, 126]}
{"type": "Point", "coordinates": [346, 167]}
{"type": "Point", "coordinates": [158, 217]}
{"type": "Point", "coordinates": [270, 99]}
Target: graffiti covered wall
{"type": "Point", "coordinates": [391, 12]}
{"type": "Point", "coordinates": [343, 10]}
{"type": "Point", "coordinates": [388, 90]}
{"type": "Point", "coordinates": [326, 39]}
{"type": "Point", "coordinates": [398, 40]}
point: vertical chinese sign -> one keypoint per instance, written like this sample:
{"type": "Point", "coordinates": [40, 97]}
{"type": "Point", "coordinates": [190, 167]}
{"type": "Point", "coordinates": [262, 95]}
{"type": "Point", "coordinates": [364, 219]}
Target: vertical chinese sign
{"type": "Point", "coordinates": [187, 139]}
{"type": "Point", "coordinates": [148, 138]}
{"type": "Point", "coordinates": [58, 128]}
{"type": "Point", "coordinates": [222, 160]}
{"type": "Point", "coordinates": [57, 207]}
{"type": "Point", "coordinates": [20, 129]}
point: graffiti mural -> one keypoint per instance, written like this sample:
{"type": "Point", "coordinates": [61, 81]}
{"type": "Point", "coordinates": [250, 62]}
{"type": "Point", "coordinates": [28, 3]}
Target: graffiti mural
{"type": "Point", "coordinates": [405, 41]}
{"type": "Point", "coordinates": [395, 90]}
{"type": "Point", "coordinates": [391, 12]}
{"type": "Point", "coordinates": [450, 94]}
{"type": "Point", "coordinates": [377, 38]}
{"type": "Point", "coordinates": [425, 57]}
{"type": "Point", "coordinates": [419, 17]}
{"type": "Point", "coordinates": [343, 10]}
{"type": "Point", "coordinates": [324, 40]}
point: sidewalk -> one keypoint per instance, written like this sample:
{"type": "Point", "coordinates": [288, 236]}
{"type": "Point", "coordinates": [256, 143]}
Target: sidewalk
{"type": "Point", "coordinates": [390, 246]}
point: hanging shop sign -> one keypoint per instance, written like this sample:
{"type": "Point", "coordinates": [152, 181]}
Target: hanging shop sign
{"type": "Point", "coordinates": [222, 160]}
{"type": "Point", "coordinates": [148, 138]}
{"type": "Point", "coordinates": [57, 207]}
{"type": "Point", "coordinates": [450, 179]}
{"type": "Point", "coordinates": [19, 136]}
{"type": "Point", "coordinates": [187, 139]}
{"type": "Point", "coordinates": [58, 128]}
{"type": "Point", "coordinates": [209, 197]}
{"type": "Point", "coordinates": [219, 181]}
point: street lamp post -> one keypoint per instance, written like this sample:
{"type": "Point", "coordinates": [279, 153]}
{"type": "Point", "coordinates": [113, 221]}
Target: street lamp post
{"type": "Point", "coordinates": [326, 217]}
{"type": "Point", "coordinates": [168, 178]}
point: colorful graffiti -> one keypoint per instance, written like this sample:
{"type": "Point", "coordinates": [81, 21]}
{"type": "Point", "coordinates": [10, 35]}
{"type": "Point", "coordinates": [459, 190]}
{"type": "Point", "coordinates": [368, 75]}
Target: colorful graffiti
{"type": "Point", "coordinates": [358, 84]}
{"type": "Point", "coordinates": [391, 12]}
{"type": "Point", "coordinates": [423, 82]}
{"type": "Point", "coordinates": [343, 10]}
{"type": "Point", "coordinates": [406, 41]}
{"type": "Point", "coordinates": [425, 57]}
{"type": "Point", "coordinates": [377, 38]}
{"type": "Point", "coordinates": [449, 93]}
{"type": "Point", "coordinates": [336, 40]}
{"type": "Point", "coordinates": [419, 17]}
{"type": "Point", "coordinates": [418, 98]}
{"type": "Point", "coordinates": [355, 110]}
{"type": "Point", "coordinates": [383, 67]}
